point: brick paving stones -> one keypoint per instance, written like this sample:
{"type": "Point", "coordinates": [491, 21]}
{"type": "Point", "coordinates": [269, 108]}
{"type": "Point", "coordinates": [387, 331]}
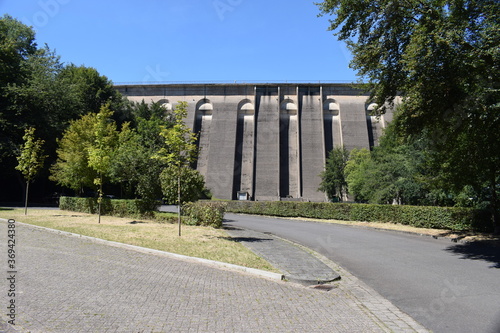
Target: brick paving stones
{"type": "Point", "coordinates": [73, 284]}
{"type": "Point", "coordinates": [298, 265]}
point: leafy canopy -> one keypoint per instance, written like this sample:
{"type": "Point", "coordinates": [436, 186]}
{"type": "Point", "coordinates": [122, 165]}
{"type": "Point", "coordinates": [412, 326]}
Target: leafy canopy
{"type": "Point", "coordinates": [31, 158]}
{"type": "Point", "coordinates": [181, 149]}
{"type": "Point", "coordinates": [71, 168]}
{"type": "Point", "coordinates": [179, 153]}
{"type": "Point", "coordinates": [442, 58]}
{"type": "Point", "coordinates": [333, 181]}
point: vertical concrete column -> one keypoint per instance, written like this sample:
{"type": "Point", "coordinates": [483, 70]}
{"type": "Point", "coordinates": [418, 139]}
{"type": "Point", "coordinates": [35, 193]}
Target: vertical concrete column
{"type": "Point", "coordinates": [191, 117]}
{"type": "Point", "coordinates": [376, 125]}
{"type": "Point", "coordinates": [178, 94]}
{"type": "Point", "coordinates": [354, 122]}
{"type": "Point", "coordinates": [289, 150]}
{"type": "Point", "coordinates": [202, 126]}
{"type": "Point", "coordinates": [333, 127]}
{"type": "Point", "coordinates": [267, 171]}
{"type": "Point", "coordinates": [244, 152]}
{"type": "Point", "coordinates": [220, 166]}
{"type": "Point", "coordinates": [312, 142]}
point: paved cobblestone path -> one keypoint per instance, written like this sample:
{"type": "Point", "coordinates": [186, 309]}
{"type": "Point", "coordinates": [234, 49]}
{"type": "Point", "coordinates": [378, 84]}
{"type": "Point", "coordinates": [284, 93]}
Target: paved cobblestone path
{"type": "Point", "coordinates": [70, 284]}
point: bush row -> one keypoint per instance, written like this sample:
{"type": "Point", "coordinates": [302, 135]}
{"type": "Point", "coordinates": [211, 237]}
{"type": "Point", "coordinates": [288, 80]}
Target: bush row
{"type": "Point", "coordinates": [115, 207]}
{"type": "Point", "coordinates": [452, 218]}
{"type": "Point", "coordinates": [204, 213]}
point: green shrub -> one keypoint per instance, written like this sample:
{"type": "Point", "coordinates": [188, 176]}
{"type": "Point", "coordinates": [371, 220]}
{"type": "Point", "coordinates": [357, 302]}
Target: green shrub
{"type": "Point", "coordinates": [83, 205]}
{"type": "Point", "coordinates": [114, 207]}
{"type": "Point", "coordinates": [165, 217]}
{"type": "Point", "coordinates": [452, 218]}
{"type": "Point", "coordinates": [204, 213]}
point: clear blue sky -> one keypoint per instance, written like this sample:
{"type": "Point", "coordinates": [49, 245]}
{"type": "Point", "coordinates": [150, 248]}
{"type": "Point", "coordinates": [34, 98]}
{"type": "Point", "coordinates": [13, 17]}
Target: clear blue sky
{"type": "Point", "coordinates": [189, 40]}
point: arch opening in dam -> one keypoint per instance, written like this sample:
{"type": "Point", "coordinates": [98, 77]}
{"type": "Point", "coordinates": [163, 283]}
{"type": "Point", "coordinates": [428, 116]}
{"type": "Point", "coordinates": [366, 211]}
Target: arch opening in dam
{"type": "Point", "coordinates": [269, 141]}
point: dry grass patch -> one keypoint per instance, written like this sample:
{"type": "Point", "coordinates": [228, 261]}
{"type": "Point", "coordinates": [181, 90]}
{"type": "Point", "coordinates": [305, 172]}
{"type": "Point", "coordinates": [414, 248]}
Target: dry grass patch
{"type": "Point", "coordinates": [202, 242]}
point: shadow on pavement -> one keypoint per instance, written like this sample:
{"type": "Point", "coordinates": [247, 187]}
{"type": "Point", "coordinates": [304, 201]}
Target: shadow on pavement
{"type": "Point", "coordinates": [488, 251]}
{"type": "Point", "coordinates": [231, 228]}
{"type": "Point", "coordinates": [245, 239]}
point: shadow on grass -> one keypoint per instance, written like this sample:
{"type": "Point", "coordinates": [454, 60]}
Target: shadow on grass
{"type": "Point", "coordinates": [59, 215]}
{"type": "Point", "coordinates": [5, 208]}
{"type": "Point", "coordinates": [488, 250]}
{"type": "Point", "coordinates": [136, 222]}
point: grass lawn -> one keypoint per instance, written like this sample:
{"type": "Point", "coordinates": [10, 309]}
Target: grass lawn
{"type": "Point", "coordinates": [202, 242]}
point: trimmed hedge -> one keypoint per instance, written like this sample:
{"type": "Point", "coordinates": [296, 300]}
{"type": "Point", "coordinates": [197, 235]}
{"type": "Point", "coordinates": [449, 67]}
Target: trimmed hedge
{"type": "Point", "coordinates": [114, 207]}
{"type": "Point", "coordinates": [204, 213]}
{"type": "Point", "coordinates": [452, 218]}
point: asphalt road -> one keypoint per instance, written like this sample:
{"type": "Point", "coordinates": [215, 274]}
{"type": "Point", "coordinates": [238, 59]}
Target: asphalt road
{"type": "Point", "coordinates": [446, 286]}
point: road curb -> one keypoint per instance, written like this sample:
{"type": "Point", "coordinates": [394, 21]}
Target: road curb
{"type": "Point", "coordinates": [213, 263]}
{"type": "Point", "coordinates": [335, 276]}
{"type": "Point", "coordinates": [310, 282]}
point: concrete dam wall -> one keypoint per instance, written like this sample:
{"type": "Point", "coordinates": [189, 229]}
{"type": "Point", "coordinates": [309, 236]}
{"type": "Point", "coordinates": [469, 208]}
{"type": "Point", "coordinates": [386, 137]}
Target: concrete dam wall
{"type": "Point", "coordinates": [268, 140]}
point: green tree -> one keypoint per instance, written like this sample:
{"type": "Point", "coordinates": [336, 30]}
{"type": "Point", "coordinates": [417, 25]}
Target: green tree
{"type": "Point", "coordinates": [29, 95]}
{"type": "Point", "coordinates": [442, 58]}
{"type": "Point", "coordinates": [30, 160]}
{"type": "Point", "coordinates": [386, 176]}
{"type": "Point", "coordinates": [37, 90]}
{"type": "Point", "coordinates": [71, 168]}
{"type": "Point", "coordinates": [100, 151]}
{"type": "Point", "coordinates": [356, 170]}
{"type": "Point", "coordinates": [180, 152]}
{"type": "Point", "coordinates": [127, 160]}
{"type": "Point", "coordinates": [133, 168]}
{"type": "Point", "coordinates": [394, 177]}
{"type": "Point", "coordinates": [17, 42]}
{"type": "Point", "coordinates": [333, 181]}
{"type": "Point", "coordinates": [151, 111]}
{"type": "Point", "coordinates": [90, 90]}
{"type": "Point", "coordinates": [191, 186]}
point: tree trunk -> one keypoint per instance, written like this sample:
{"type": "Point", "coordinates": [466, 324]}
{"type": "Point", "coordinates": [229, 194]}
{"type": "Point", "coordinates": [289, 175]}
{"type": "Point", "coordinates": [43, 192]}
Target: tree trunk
{"type": "Point", "coordinates": [179, 200]}
{"type": "Point", "coordinates": [99, 208]}
{"type": "Point", "coordinates": [99, 200]}
{"type": "Point", "coordinates": [26, 198]}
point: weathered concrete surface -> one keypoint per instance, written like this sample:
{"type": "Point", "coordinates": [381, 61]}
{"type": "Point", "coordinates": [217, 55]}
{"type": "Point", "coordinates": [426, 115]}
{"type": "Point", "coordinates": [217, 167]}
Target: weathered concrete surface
{"type": "Point", "coordinates": [244, 155]}
{"type": "Point", "coordinates": [267, 157]}
{"type": "Point", "coordinates": [270, 140]}
{"type": "Point", "coordinates": [312, 142]}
